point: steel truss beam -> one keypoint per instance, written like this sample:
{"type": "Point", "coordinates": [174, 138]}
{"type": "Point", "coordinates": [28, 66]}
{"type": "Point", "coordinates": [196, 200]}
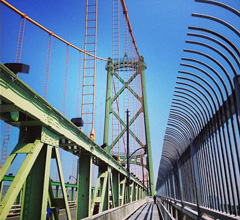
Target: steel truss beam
{"type": "Point", "coordinates": [33, 175]}
{"type": "Point", "coordinates": [40, 113]}
{"type": "Point", "coordinates": [41, 127]}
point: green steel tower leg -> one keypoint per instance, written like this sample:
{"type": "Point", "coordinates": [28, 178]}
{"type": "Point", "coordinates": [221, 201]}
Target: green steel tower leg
{"type": "Point", "coordinates": [103, 184]}
{"type": "Point", "coordinates": [115, 187]}
{"type": "Point", "coordinates": [36, 188]}
{"type": "Point", "coordinates": [108, 101]}
{"type": "Point", "coordinates": [1, 189]}
{"type": "Point", "coordinates": [32, 150]}
{"type": "Point", "coordinates": [105, 189]}
{"type": "Point", "coordinates": [147, 129]}
{"type": "Point", "coordinates": [136, 193]}
{"type": "Point", "coordinates": [84, 185]}
{"type": "Point", "coordinates": [131, 192]}
{"type": "Point", "coordinates": [122, 191]}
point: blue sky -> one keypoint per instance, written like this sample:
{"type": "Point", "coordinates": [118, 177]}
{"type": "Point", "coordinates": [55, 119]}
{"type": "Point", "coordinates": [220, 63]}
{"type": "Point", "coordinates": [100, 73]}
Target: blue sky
{"type": "Point", "coordinates": [160, 30]}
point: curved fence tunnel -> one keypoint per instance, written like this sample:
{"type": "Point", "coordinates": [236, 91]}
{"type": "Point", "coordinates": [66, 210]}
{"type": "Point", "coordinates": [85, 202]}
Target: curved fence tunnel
{"type": "Point", "coordinates": [200, 163]}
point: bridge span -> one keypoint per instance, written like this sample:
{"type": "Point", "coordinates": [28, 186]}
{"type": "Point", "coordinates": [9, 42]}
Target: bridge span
{"type": "Point", "coordinates": [102, 143]}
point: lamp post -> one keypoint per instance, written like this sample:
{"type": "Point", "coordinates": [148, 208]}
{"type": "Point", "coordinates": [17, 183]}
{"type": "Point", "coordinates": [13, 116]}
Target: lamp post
{"type": "Point", "coordinates": [140, 148]}
{"type": "Point", "coordinates": [144, 148]}
{"type": "Point", "coordinates": [128, 165]}
{"type": "Point", "coordinates": [70, 176]}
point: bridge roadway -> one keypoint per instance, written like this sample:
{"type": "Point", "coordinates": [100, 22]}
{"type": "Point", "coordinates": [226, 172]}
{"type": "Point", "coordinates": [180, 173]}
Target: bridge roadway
{"type": "Point", "coordinates": [147, 211]}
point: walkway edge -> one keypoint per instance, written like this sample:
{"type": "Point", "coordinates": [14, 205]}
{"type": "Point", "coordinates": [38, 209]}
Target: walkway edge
{"type": "Point", "coordinates": [119, 213]}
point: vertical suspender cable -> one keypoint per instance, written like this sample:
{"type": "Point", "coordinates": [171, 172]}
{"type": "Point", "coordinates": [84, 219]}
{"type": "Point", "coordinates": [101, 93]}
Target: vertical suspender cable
{"type": "Point", "coordinates": [6, 139]}
{"type": "Point", "coordinates": [125, 72]}
{"type": "Point", "coordinates": [64, 100]}
{"type": "Point", "coordinates": [7, 131]}
{"type": "Point", "coordinates": [47, 68]}
{"type": "Point", "coordinates": [77, 113]}
{"type": "Point", "coordinates": [134, 112]}
{"type": "Point", "coordinates": [78, 85]}
{"type": "Point", "coordinates": [20, 40]}
{"type": "Point", "coordinates": [101, 102]}
{"type": "Point", "coordinates": [115, 81]}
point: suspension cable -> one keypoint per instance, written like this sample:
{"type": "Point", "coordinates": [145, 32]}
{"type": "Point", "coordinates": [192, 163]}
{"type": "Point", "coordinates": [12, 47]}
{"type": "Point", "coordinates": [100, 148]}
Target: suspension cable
{"type": "Point", "coordinates": [125, 12]}
{"type": "Point", "coordinates": [48, 31]}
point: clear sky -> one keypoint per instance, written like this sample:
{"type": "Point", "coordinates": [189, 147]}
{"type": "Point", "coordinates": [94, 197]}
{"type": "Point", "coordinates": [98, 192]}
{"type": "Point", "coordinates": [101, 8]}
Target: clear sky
{"type": "Point", "coordinates": [160, 30]}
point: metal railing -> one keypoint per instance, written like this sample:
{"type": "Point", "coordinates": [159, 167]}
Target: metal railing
{"type": "Point", "coordinates": [199, 171]}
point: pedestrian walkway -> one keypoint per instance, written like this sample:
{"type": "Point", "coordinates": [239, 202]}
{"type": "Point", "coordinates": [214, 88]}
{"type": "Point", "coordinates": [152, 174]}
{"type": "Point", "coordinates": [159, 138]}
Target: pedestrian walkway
{"type": "Point", "coordinates": [148, 211]}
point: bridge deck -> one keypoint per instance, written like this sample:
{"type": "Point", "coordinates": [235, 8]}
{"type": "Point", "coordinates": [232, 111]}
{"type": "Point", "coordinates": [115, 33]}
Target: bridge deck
{"type": "Point", "coordinates": [148, 211]}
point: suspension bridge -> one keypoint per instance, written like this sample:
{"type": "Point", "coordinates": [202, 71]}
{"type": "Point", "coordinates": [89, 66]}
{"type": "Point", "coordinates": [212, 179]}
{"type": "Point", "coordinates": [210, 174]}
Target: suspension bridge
{"type": "Point", "coordinates": [75, 128]}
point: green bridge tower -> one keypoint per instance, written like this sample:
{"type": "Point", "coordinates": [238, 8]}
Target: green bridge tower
{"type": "Point", "coordinates": [137, 69]}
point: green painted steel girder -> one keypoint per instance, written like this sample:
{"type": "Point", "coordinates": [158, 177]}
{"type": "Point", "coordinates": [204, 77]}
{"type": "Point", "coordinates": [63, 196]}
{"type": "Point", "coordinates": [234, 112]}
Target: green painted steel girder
{"type": "Point", "coordinates": [53, 183]}
{"type": "Point", "coordinates": [84, 186]}
{"type": "Point", "coordinates": [40, 113]}
{"type": "Point", "coordinates": [115, 188]}
{"type": "Point", "coordinates": [50, 126]}
{"type": "Point", "coordinates": [102, 196]}
{"type": "Point", "coordinates": [8, 178]}
{"type": "Point", "coordinates": [36, 186]}
{"type": "Point", "coordinates": [147, 130]}
{"type": "Point", "coordinates": [32, 150]}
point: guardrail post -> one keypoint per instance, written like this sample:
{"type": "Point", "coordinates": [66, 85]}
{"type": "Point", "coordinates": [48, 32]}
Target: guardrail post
{"type": "Point", "coordinates": [84, 185]}
{"type": "Point", "coordinates": [180, 181]}
{"type": "Point", "coordinates": [196, 175]}
{"type": "Point", "coordinates": [171, 185]}
{"type": "Point", "coordinates": [236, 81]}
{"type": "Point", "coordinates": [168, 188]}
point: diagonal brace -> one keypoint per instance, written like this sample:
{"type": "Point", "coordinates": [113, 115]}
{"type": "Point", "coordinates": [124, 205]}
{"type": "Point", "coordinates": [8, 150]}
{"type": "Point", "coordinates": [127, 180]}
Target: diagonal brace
{"type": "Point", "coordinates": [20, 178]}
